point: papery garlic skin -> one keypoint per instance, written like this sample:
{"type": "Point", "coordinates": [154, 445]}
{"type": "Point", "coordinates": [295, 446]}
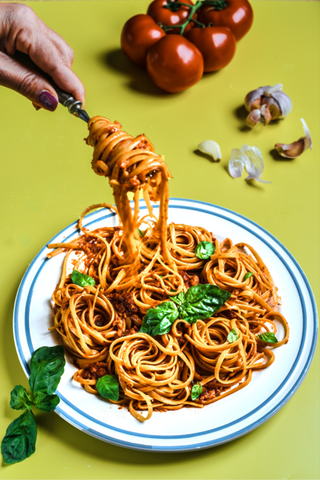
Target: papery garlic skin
{"type": "Point", "coordinates": [210, 147]}
{"type": "Point", "coordinates": [236, 163]}
{"type": "Point", "coordinates": [272, 103]}
{"type": "Point", "coordinates": [295, 149]}
{"type": "Point", "coordinates": [249, 158]}
{"type": "Point", "coordinates": [253, 163]}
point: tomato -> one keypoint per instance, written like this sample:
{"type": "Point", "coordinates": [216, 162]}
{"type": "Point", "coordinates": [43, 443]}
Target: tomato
{"type": "Point", "coordinates": [174, 63]}
{"type": "Point", "coordinates": [166, 17]}
{"type": "Point", "coordinates": [138, 35]}
{"type": "Point", "coordinates": [216, 44]}
{"type": "Point", "coordinates": [237, 16]}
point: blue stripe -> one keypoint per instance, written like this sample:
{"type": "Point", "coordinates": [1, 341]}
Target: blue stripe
{"type": "Point", "coordinates": [212, 442]}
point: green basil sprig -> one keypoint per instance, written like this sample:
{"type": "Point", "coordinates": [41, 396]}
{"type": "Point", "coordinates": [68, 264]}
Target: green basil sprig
{"type": "Point", "coordinates": [46, 368]}
{"type": "Point", "coordinates": [204, 250]}
{"type": "Point", "coordinates": [200, 302]}
{"type": "Point", "coordinates": [20, 439]}
{"type": "Point", "coordinates": [81, 279]}
{"type": "Point", "coordinates": [196, 391]}
{"type": "Point", "coordinates": [108, 387]}
{"type": "Point", "coordinates": [247, 275]}
{"type": "Point", "coordinates": [20, 398]}
{"type": "Point", "coordinates": [233, 336]}
{"type": "Point", "coordinates": [159, 320]}
{"type": "Point", "coordinates": [268, 337]}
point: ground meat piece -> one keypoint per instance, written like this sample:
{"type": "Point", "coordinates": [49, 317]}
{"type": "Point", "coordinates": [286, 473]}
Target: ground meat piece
{"type": "Point", "coordinates": [212, 384]}
{"type": "Point", "coordinates": [189, 280]}
{"type": "Point", "coordinates": [229, 314]}
{"type": "Point", "coordinates": [124, 303]}
{"type": "Point", "coordinates": [119, 325]}
{"type": "Point", "coordinates": [129, 331]}
{"type": "Point", "coordinates": [194, 280]}
{"type": "Point", "coordinates": [93, 371]}
{"type": "Point", "coordinates": [181, 340]}
{"type": "Point", "coordinates": [185, 278]}
{"type": "Point", "coordinates": [210, 394]}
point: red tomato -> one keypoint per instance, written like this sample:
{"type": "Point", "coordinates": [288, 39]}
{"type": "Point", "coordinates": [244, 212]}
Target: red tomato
{"type": "Point", "coordinates": [216, 44]}
{"type": "Point", "coordinates": [174, 63]}
{"type": "Point", "coordinates": [138, 35]}
{"type": "Point", "coordinates": [237, 16]}
{"type": "Point", "coordinates": [166, 17]}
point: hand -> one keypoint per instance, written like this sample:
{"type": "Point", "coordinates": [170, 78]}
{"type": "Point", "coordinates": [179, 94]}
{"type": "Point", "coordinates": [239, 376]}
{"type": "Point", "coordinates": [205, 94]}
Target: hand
{"type": "Point", "coordinates": [22, 30]}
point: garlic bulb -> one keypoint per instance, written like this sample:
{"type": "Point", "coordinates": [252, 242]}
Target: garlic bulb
{"type": "Point", "coordinates": [266, 104]}
{"type": "Point", "coordinates": [209, 147]}
{"type": "Point", "coordinates": [249, 158]}
{"type": "Point", "coordinates": [295, 149]}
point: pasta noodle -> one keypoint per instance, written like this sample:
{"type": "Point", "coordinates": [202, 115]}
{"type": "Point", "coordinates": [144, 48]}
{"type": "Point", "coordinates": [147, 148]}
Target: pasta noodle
{"type": "Point", "coordinates": [100, 324]}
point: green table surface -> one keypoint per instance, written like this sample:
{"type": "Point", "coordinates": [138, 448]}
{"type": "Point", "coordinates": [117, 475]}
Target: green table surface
{"type": "Point", "coordinates": [46, 181]}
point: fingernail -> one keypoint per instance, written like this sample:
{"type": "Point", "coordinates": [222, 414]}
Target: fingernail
{"type": "Point", "coordinates": [48, 101]}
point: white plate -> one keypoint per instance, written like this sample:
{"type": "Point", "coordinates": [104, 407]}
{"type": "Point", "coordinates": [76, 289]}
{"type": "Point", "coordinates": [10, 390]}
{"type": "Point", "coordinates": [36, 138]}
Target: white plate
{"type": "Point", "coordinates": [186, 429]}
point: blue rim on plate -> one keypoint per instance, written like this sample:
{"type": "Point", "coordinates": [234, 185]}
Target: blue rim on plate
{"type": "Point", "coordinates": [22, 322]}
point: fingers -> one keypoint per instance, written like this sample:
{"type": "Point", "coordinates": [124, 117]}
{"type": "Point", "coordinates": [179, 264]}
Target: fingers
{"type": "Point", "coordinates": [26, 81]}
{"type": "Point", "coordinates": [46, 48]}
{"type": "Point", "coordinates": [49, 52]}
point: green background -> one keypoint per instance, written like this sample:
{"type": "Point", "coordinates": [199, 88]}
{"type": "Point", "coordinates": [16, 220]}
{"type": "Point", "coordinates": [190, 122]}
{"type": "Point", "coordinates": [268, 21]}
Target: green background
{"type": "Point", "coordinates": [46, 182]}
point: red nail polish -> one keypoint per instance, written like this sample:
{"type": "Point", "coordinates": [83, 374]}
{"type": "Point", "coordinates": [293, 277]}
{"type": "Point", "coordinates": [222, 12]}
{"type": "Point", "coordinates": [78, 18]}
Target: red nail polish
{"type": "Point", "coordinates": [48, 101]}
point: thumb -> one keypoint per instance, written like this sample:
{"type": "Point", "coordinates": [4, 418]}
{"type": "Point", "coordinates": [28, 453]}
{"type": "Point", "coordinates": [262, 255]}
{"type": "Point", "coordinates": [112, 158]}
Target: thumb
{"type": "Point", "coordinates": [28, 82]}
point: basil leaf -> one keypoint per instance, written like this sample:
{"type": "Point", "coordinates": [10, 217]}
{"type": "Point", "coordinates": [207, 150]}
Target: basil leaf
{"type": "Point", "coordinates": [46, 403]}
{"type": "Point", "coordinates": [108, 387]}
{"type": "Point", "coordinates": [247, 275]}
{"type": "Point", "coordinates": [20, 398]}
{"type": "Point", "coordinates": [233, 336]}
{"type": "Point", "coordinates": [178, 299]}
{"type": "Point", "coordinates": [201, 302]}
{"type": "Point", "coordinates": [196, 391]}
{"type": "Point", "coordinates": [141, 232]}
{"type": "Point", "coordinates": [204, 250]}
{"type": "Point", "coordinates": [159, 320]}
{"type": "Point", "coordinates": [47, 366]}
{"type": "Point", "coordinates": [197, 292]}
{"type": "Point", "coordinates": [268, 337]}
{"type": "Point", "coordinates": [81, 279]}
{"type": "Point", "coordinates": [19, 441]}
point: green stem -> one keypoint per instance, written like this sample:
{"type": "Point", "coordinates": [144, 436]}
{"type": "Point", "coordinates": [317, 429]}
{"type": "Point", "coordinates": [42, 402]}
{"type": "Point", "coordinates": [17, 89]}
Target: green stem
{"type": "Point", "coordinates": [202, 25]}
{"type": "Point", "coordinates": [174, 6]}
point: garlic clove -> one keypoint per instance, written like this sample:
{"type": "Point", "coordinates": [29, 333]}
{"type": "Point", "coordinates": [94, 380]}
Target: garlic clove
{"type": "Point", "coordinates": [209, 147]}
{"type": "Point", "coordinates": [266, 113]}
{"type": "Point", "coordinates": [284, 102]}
{"type": "Point", "coordinates": [295, 149]}
{"type": "Point", "coordinates": [254, 96]}
{"type": "Point", "coordinates": [254, 117]}
{"type": "Point", "coordinates": [236, 163]}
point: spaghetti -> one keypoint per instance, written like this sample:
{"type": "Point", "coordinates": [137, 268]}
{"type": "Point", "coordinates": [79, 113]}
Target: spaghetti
{"type": "Point", "coordinates": [100, 324]}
